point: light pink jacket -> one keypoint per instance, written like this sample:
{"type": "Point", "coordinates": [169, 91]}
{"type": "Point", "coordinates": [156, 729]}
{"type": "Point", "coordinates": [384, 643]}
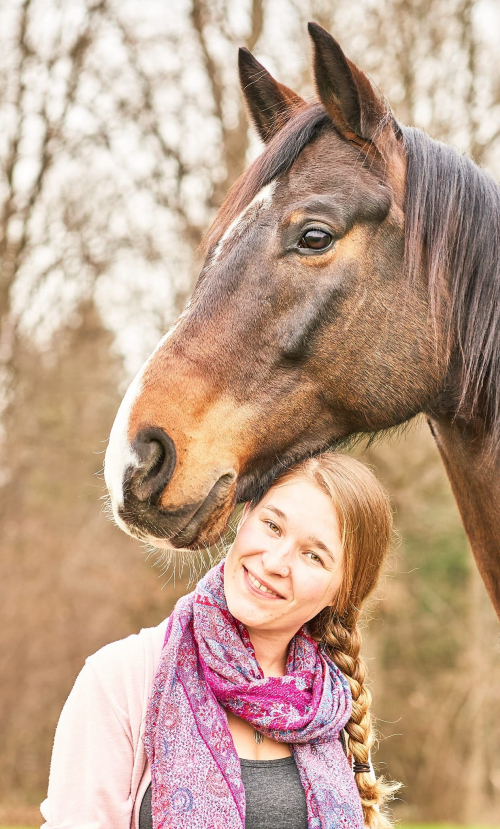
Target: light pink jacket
{"type": "Point", "coordinates": [99, 770]}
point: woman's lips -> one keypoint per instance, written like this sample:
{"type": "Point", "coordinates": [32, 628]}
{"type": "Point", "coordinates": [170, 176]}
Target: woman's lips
{"type": "Point", "coordinates": [255, 590]}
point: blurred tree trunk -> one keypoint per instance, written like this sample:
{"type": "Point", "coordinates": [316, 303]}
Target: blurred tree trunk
{"type": "Point", "coordinates": [234, 137]}
{"type": "Point", "coordinates": [21, 193]}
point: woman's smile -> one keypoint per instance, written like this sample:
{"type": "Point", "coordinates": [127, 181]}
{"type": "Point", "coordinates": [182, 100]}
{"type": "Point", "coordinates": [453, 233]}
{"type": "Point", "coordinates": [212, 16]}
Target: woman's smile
{"type": "Point", "coordinates": [259, 587]}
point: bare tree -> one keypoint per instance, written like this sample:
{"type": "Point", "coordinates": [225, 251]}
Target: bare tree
{"type": "Point", "coordinates": [103, 167]}
{"type": "Point", "coordinates": [41, 79]}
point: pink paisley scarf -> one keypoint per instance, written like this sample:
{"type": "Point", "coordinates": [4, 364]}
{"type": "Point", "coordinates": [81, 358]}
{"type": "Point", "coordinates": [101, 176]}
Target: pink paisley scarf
{"type": "Point", "coordinates": [208, 659]}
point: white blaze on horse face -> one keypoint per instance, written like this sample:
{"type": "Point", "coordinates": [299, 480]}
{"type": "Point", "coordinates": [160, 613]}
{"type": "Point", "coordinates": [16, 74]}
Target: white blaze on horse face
{"type": "Point", "coordinates": [262, 200]}
{"type": "Point", "coordinates": [120, 454]}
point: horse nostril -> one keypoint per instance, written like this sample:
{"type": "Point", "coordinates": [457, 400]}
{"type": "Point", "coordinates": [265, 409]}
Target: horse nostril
{"type": "Point", "coordinates": [156, 453]}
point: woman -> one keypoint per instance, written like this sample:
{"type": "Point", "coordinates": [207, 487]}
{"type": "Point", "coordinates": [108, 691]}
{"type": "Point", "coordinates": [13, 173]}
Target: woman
{"type": "Point", "coordinates": [239, 710]}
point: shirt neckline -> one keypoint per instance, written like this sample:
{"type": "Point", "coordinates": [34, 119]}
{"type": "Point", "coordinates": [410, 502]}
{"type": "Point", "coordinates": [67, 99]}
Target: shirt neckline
{"type": "Point", "coordinates": [279, 761]}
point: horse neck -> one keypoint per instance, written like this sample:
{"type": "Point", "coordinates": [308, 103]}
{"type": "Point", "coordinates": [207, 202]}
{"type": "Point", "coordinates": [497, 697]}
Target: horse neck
{"type": "Point", "coordinates": [475, 481]}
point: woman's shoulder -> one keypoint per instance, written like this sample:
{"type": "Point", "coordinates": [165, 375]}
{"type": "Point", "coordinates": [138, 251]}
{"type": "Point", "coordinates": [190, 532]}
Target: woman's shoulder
{"type": "Point", "coordinates": [98, 759]}
{"type": "Point", "coordinates": [126, 669]}
{"type": "Point", "coordinates": [132, 649]}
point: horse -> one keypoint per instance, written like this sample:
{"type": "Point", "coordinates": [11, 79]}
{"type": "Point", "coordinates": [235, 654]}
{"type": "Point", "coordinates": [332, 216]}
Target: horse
{"type": "Point", "coordinates": [351, 281]}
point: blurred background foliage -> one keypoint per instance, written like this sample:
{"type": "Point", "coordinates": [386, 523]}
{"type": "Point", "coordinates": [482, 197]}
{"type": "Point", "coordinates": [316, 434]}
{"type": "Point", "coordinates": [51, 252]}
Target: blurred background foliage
{"type": "Point", "coordinates": [123, 127]}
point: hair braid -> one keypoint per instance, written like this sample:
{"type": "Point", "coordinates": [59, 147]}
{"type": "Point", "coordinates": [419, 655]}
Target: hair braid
{"type": "Point", "coordinates": [343, 644]}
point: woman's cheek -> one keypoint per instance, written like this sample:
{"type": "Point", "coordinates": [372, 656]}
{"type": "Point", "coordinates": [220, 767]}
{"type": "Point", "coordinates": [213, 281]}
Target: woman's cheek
{"type": "Point", "coordinates": [314, 587]}
{"type": "Point", "coordinates": [308, 588]}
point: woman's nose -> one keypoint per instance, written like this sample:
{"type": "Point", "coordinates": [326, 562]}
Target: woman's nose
{"type": "Point", "coordinates": [277, 562]}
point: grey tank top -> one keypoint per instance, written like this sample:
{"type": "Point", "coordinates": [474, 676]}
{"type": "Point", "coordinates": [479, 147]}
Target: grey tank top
{"type": "Point", "coordinates": [274, 796]}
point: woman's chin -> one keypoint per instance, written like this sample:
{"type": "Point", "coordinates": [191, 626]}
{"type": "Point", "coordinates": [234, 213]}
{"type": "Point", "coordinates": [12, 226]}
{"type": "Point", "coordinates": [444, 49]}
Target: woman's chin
{"type": "Point", "coordinates": [246, 614]}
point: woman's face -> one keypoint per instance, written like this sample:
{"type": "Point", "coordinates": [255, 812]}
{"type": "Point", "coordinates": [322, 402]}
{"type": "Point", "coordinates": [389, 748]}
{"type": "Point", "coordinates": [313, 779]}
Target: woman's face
{"type": "Point", "coordinates": [290, 545]}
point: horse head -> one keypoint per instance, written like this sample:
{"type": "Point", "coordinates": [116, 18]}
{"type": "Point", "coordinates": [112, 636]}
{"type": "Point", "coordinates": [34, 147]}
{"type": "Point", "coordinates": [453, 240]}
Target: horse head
{"type": "Point", "coordinates": [302, 329]}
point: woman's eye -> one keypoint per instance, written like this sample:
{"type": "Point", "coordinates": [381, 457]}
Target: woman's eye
{"type": "Point", "coordinates": [316, 239]}
{"type": "Point", "coordinates": [315, 558]}
{"type": "Point", "coordinates": [272, 526]}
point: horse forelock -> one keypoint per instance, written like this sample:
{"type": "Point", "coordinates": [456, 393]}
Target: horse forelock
{"type": "Point", "coordinates": [452, 235]}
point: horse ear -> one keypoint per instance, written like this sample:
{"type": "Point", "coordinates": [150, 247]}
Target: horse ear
{"type": "Point", "coordinates": [345, 91]}
{"type": "Point", "coordinates": [271, 104]}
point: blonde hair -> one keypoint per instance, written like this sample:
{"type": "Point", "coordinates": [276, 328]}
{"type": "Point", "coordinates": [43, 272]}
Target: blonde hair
{"type": "Point", "coordinates": [365, 520]}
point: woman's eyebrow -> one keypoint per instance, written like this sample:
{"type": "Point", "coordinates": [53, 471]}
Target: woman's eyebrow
{"type": "Point", "coordinates": [317, 543]}
{"type": "Point", "coordinates": [321, 546]}
{"type": "Point", "coordinates": [277, 511]}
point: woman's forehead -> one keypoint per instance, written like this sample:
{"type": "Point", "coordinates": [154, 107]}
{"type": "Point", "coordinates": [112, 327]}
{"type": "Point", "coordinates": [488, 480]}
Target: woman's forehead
{"type": "Point", "coordinates": [302, 500]}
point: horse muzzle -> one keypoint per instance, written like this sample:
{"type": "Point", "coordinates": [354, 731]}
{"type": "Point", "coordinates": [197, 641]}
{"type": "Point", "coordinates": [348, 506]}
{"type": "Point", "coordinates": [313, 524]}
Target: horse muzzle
{"type": "Point", "coordinates": [151, 462]}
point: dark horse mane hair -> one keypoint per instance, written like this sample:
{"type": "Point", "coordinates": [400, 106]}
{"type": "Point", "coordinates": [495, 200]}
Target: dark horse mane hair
{"type": "Point", "coordinates": [452, 232]}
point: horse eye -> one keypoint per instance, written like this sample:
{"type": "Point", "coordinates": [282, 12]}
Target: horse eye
{"type": "Point", "coordinates": [316, 239]}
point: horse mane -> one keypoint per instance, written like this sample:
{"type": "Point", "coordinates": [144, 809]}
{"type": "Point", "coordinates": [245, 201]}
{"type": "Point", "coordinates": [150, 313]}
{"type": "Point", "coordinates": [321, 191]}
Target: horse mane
{"type": "Point", "coordinates": [452, 232]}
